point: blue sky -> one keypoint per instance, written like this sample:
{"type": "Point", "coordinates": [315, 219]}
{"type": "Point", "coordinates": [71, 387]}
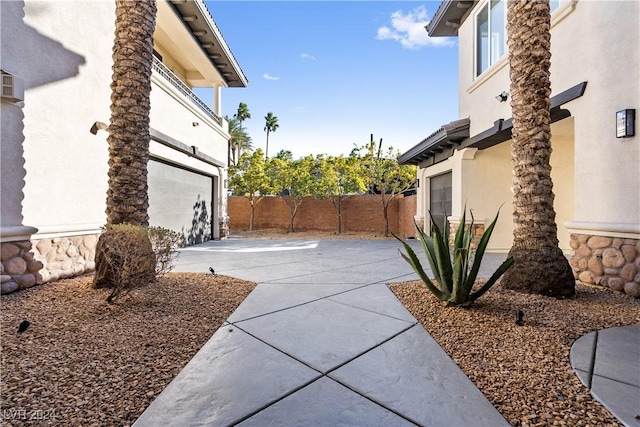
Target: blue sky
{"type": "Point", "coordinates": [335, 72]}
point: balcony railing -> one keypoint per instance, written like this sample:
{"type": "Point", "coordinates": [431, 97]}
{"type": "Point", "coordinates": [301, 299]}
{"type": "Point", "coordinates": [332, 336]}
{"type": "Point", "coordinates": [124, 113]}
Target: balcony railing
{"type": "Point", "coordinates": [184, 89]}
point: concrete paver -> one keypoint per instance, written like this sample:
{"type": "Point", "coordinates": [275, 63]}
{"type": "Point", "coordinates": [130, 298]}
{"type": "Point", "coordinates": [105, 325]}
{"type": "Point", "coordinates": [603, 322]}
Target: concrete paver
{"type": "Point", "coordinates": [416, 378]}
{"type": "Point", "coordinates": [323, 334]}
{"type": "Point", "coordinates": [326, 403]}
{"type": "Point", "coordinates": [608, 363]}
{"type": "Point", "coordinates": [232, 375]}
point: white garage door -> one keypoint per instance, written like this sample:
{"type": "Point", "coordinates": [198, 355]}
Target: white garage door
{"type": "Point", "coordinates": [440, 198]}
{"type": "Point", "coordinates": [181, 200]}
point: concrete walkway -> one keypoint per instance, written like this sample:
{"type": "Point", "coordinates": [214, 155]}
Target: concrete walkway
{"type": "Point", "coordinates": [321, 341]}
{"type": "Point", "coordinates": [608, 363]}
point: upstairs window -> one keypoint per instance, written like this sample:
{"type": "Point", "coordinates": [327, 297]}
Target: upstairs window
{"type": "Point", "coordinates": [490, 34]}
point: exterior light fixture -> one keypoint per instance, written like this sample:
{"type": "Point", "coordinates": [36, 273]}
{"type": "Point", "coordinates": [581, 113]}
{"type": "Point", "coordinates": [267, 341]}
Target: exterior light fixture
{"type": "Point", "coordinates": [98, 126]}
{"type": "Point", "coordinates": [625, 123]}
{"type": "Point", "coordinates": [502, 97]}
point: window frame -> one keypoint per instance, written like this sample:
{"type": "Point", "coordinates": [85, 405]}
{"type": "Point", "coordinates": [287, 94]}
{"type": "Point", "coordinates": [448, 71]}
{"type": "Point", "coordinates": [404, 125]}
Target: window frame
{"type": "Point", "coordinates": [491, 60]}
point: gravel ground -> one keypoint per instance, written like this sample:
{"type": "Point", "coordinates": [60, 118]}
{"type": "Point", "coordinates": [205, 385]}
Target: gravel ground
{"type": "Point", "coordinates": [84, 362]}
{"type": "Point", "coordinates": [524, 370]}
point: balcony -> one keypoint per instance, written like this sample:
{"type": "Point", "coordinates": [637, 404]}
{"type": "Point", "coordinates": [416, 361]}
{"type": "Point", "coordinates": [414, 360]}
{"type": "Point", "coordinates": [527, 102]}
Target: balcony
{"type": "Point", "coordinates": [185, 90]}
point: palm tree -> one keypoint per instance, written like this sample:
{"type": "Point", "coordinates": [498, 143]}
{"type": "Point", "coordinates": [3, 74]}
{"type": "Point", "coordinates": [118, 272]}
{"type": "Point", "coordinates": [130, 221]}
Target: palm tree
{"type": "Point", "coordinates": [241, 115]}
{"type": "Point", "coordinates": [238, 140]}
{"type": "Point", "coordinates": [540, 266]}
{"type": "Point", "coordinates": [127, 196]}
{"type": "Point", "coordinates": [271, 125]}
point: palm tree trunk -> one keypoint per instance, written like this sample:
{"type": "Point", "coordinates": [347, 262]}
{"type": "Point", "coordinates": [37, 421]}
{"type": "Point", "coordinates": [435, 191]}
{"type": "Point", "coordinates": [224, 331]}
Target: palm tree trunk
{"type": "Point", "coordinates": [540, 266]}
{"type": "Point", "coordinates": [266, 151]}
{"type": "Point", "coordinates": [127, 196]}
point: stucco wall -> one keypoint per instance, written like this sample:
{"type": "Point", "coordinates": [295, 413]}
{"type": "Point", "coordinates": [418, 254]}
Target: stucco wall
{"type": "Point", "coordinates": [176, 119]}
{"type": "Point", "coordinates": [67, 76]}
{"type": "Point", "coordinates": [606, 168]}
{"type": "Point", "coordinates": [607, 57]}
{"type": "Point", "coordinates": [359, 213]}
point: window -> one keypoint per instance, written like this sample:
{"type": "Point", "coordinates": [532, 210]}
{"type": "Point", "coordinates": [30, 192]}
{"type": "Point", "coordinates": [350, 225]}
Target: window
{"type": "Point", "coordinates": [490, 35]}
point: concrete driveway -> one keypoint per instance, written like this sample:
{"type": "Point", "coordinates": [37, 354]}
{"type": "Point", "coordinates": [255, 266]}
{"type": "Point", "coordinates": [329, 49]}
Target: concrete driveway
{"type": "Point", "coordinates": [321, 341]}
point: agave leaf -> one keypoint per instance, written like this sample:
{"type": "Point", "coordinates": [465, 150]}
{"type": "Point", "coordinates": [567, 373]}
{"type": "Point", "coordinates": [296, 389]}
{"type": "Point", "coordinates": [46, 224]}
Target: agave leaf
{"type": "Point", "coordinates": [492, 280]}
{"type": "Point", "coordinates": [482, 246]}
{"type": "Point", "coordinates": [427, 246]}
{"type": "Point", "coordinates": [458, 241]}
{"type": "Point", "coordinates": [459, 294]}
{"type": "Point", "coordinates": [414, 262]}
{"type": "Point", "coordinates": [468, 235]}
{"type": "Point", "coordinates": [442, 257]}
{"type": "Point", "coordinates": [445, 235]}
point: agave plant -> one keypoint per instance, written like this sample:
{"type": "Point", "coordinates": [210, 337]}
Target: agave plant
{"type": "Point", "coordinates": [455, 275]}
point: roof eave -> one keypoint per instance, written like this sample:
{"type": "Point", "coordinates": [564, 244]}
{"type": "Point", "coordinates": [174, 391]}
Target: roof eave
{"type": "Point", "coordinates": [445, 137]}
{"type": "Point", "coordinates": [448, 18]}
{"type": "Point", "coordinates": [212, 42]}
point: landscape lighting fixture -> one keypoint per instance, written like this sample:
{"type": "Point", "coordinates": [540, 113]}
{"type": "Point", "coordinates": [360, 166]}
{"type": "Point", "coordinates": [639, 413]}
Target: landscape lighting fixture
{"type": "Point", "coordinates": [503, 96]}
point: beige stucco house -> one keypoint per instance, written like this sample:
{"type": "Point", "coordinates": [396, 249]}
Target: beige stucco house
{"type": "Point", "coordinates": [595, 73]}
{"type": "Point", "coordinates": [56, 70]}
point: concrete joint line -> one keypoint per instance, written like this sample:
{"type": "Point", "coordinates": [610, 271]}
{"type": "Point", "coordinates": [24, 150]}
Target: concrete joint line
{"type": "Point", "coordinates": [321, 375]}
{"type": "Point", "coordinates": [593, 360]}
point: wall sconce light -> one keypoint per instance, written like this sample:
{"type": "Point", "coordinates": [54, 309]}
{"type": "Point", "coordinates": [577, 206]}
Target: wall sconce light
{"type": "Point", "coordinates": [502, 97]}
{"type": "Point", "coordinates": [625, 123]}
{"type": "Point", "coordinates": [194, 124]}
{"type": "Point", "coordinates": [98, 126]}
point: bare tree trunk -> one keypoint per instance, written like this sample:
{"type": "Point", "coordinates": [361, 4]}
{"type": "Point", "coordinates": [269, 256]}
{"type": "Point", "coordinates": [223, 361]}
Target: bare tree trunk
{"type": "Point", "coordinates": [385, 214]}
{"type": "Point", "coordinates": [540, 266]}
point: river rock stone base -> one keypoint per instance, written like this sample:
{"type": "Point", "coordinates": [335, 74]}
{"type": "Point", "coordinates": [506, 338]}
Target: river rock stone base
{"type": "Point", "coordinates": [19, 268]}
{"type": "Point", "coordinates": [611, 262]}
{"type": "Point", "coordinates": [64, 257]}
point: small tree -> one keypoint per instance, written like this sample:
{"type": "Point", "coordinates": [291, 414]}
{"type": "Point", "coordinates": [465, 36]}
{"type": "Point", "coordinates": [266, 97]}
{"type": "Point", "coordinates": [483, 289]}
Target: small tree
{"type": "Point", "coordinates": [338, 178]}
{"type": "Point", "coordinates": [293, 180]}
{"type": "Point", "coordinates": [249, 178]}
{"type": "Point", "coordinates": [385, 176]}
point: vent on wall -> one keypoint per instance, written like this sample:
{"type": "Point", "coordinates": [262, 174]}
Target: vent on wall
{"type": "Point", "coordinates": [12, 88]}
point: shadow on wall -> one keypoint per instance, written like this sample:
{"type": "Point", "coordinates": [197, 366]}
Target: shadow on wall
{"type": "Point", "coordinates": [200, 230]}
{"type": "Point", "coordinates": [16, 39]}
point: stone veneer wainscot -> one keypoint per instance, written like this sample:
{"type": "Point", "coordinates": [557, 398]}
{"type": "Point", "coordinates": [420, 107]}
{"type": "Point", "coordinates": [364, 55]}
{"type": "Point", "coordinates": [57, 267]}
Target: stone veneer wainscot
{"type": "Point", "coordinates": [29, 263]}
{"type": "Point", "coordinates": [607, 261]}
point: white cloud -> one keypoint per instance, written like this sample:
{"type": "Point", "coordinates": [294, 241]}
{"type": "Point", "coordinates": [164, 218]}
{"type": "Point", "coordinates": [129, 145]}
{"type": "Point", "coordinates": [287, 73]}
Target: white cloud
{"type": "Point", "coordinates": [306, 56]}
{"type": "Point", "coordinates": [408, 29]}
{"type": "Point", "coordinates": [270, 77]}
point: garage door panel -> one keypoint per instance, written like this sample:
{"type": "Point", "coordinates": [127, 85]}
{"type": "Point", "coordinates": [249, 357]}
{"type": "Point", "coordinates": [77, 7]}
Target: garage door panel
{"type": "Point", "coordinates": [180, 200]}
{"type": "Point", "coordinates": [440, 197]}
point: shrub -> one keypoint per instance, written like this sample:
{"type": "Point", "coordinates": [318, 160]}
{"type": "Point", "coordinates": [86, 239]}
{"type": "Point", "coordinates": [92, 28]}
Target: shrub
{"type": "Point", "coordinates": [454, 271]}
{"type": "Point", "coordinates": [165, 244]}
{"type": "Point", "coordinates": [130, 256]}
